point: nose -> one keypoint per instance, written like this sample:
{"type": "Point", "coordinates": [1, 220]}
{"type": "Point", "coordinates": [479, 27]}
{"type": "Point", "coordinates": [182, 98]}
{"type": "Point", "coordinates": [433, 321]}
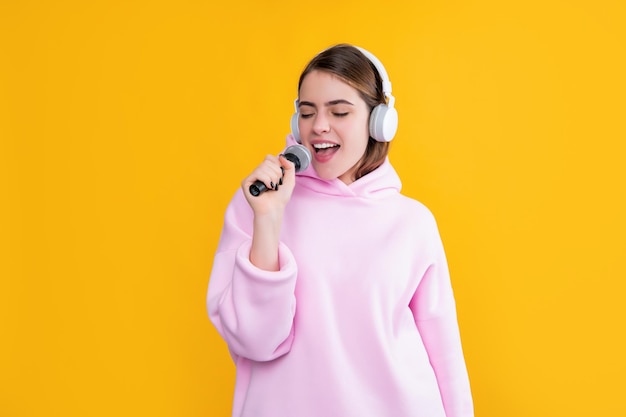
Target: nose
{"type": "Point", "coordinates": [321, 124]}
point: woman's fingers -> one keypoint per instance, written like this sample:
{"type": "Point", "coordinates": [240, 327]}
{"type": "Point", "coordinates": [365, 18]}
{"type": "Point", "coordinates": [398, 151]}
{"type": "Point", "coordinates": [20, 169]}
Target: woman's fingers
{"type": "Point", "coordinates": [269, 172]}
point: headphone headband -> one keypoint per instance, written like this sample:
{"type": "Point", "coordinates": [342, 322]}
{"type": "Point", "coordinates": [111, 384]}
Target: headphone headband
{"type": "Point", "coordinates": [381, 71]}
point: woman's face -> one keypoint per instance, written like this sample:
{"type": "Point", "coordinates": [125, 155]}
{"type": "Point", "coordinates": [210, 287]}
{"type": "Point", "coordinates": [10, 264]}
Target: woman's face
{"type": "Point", "coordinates": [333, 124]}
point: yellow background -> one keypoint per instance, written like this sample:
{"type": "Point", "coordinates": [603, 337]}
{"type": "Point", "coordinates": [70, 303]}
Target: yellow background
{"type": "Point", "coordinates": [126, 126]}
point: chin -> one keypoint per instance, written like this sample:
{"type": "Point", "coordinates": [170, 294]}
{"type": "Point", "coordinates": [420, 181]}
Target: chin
{"type": "Point", "coordinates": [325, 173]}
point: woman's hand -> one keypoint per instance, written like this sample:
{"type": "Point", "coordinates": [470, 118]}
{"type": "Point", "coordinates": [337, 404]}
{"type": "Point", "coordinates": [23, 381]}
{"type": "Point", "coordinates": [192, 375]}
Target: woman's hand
{"type": "Point", "coordinates": [279, 175]}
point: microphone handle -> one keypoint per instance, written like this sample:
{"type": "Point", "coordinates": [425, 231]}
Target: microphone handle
{"type": "Point", "coordinates": [259, 187]}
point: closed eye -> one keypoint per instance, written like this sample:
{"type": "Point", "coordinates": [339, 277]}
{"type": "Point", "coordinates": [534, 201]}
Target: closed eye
{"type": "Point", "coordinates": [341, 114]}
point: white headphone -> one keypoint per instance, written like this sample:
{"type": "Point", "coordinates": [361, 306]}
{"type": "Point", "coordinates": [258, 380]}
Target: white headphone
{"type": "Point", "coordinates": [383, 122]}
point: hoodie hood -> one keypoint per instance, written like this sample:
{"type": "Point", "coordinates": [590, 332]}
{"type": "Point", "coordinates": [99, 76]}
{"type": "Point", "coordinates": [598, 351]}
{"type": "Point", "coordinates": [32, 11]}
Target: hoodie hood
{"type": "Point", "coordinates": [380, 183]}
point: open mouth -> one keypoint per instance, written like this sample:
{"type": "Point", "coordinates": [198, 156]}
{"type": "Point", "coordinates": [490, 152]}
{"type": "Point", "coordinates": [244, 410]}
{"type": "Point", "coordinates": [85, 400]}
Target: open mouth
{"type": "Point", "coordinates": [325, 148]}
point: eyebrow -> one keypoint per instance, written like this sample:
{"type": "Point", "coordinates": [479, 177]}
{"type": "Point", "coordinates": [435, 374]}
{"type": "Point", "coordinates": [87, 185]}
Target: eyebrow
{"type": "Point", "coordinates": [329, 103]}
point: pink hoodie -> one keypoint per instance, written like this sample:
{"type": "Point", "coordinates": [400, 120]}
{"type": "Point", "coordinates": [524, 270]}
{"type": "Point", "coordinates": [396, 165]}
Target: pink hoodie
{"type": "Point", "coordinates": [359, 321]}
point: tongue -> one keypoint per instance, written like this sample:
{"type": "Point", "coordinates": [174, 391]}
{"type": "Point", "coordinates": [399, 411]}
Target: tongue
{"type": "Point", "coordinates": [323, 155]}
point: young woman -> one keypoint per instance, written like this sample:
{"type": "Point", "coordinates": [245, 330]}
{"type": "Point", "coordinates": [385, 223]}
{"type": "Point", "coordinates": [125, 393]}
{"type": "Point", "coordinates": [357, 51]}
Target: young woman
{"type": "Point", "coordinates": [332, 289]}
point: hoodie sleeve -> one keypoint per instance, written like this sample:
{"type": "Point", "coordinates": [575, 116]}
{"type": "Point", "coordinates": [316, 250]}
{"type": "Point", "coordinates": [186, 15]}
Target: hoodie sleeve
{"type": "Point", "coordinates": [252, 309]}
{"type": "Point", "coordinates": [434, 309]}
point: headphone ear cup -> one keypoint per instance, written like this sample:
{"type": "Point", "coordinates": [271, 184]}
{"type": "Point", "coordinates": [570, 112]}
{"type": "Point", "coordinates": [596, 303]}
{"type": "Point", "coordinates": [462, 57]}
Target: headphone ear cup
{"type": "Point", "coordinates": [383, 123]}
{"type": "Point", "coordinates": [295, 130]}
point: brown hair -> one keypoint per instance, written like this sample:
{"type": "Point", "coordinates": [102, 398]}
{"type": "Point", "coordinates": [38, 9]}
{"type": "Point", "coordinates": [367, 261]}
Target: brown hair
{"type": "Point", "coordinates": [350, 65]}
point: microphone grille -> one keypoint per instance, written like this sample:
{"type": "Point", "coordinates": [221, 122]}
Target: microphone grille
{"type": "Point", "coordinates": [299, 155]}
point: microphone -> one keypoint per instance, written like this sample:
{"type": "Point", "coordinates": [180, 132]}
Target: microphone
{"type": "Point", "coordinates": [299, 155]}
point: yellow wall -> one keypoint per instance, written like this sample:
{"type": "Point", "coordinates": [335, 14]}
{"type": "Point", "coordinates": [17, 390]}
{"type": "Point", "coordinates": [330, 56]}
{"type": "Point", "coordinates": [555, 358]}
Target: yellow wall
{"type": "Point", "coordinates": [125, 127]}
